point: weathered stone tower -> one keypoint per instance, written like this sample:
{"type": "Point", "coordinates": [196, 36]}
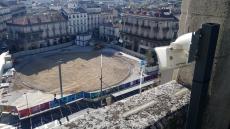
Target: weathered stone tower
{"type": "Point", "coordinates": [195, 13]}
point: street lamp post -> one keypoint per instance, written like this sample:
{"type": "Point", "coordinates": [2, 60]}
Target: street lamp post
{"type": "Point", "coordinates": [141, 76]}
{"type": "Point", "coordinates": [60, 78]}
{"type": "Point", "coordinates": [101, 80]}
{"type": "Point", "coordinates": [142, 67]}
{"type": "Point", "coordinates": [27, 103]}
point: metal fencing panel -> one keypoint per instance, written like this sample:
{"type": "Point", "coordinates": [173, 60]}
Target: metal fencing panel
{"type": "Point", "coordinates": [81, 95]}
{"type": "Point", "coordinates": [71, 98]}
{"type": "Point", "coordinates": [54, 103]}
{"type": "Point", "coordinates": [44, 106]}
{"type": "Point", "coordinates": [35, 109]}
{"type": "Point", "coordinates": [24, 113]}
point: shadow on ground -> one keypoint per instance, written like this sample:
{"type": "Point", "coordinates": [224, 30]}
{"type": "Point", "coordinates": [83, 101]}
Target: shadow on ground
{"type": "Point", "coordinates": [49, 61]}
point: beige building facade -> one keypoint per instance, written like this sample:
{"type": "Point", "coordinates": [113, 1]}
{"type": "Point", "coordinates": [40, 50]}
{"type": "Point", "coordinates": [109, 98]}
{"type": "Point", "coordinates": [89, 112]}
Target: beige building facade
{"type": "Point", "coordinates": [38, 31]}
{"type": "Point", "coordinates": [5, 15]}
{"type": "Point", "coordinates": [109, 32]}
{"type": "Point", "coordinates": [141, 33]}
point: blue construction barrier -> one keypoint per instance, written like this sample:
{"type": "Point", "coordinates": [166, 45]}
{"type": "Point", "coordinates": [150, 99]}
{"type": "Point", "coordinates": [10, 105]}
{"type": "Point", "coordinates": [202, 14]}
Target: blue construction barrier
{"type": "Point", "coordinates": [79, 95]}
{"type": "Point", "coordinates": [92, 95]}
{"type": "Point", "coordinates": [54, 103]}
{"type": "Point", "coordinates": [71, 97]}
{"type": "Point", "coordinates": [64, 100]}
{"type": "Point", "coordinates": [86, 95]}
{"type": "Point", "coordinates": [95, 95]}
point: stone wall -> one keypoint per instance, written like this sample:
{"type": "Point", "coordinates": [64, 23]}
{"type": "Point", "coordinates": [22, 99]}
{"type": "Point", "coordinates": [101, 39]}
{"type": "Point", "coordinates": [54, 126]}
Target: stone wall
{"type": "Point", "coordinates": [160, 107]}
{"type": "Point", "coordinates": [174, 120]}
{"type": "Point", "coordinates": [195, 13]}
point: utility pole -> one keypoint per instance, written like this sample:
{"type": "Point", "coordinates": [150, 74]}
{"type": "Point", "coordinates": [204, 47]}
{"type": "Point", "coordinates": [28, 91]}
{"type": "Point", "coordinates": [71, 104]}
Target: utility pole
{"type": "Point", "coordinates": [141, 76]}
{"type": "Point", "coordinates": [60, 80]}
{"type": "Point", "coordinates": [101, 79]}
{"type": "Point", "coordinates": [27, 103]}
{"type": "Point", "coordinates": [60, 77]}
{"type": "Point", "coordinates": [142, 67]}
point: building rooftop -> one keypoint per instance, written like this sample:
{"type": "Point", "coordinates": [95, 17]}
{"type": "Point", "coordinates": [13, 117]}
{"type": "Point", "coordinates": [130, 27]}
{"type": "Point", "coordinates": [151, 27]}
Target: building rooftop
{"type": "Point", "coordinates": [160, 14]}
{"type": "Point", "coordinates": [37, 19]}
{"type": "Point", "coordinates": [71, 11]}
{"type": "Point", "coordinates": [80, 10]}
{"type": "Point", "coordinates": [161, 18]}
{"type": "Point", "coordinates": [93, 6]}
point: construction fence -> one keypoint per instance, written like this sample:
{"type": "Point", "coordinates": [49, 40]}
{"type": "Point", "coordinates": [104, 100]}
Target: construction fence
{"type": "Point", "coordinates": [81, 95]}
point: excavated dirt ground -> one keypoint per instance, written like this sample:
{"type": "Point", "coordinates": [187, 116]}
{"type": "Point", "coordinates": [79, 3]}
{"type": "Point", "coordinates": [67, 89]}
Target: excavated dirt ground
{"type": "Point", "coordinates": [80, 71]}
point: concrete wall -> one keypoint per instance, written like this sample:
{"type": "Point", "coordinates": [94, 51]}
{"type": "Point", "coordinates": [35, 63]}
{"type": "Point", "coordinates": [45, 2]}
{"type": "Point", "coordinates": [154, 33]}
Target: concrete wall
{"type": "Point", "coordinates": [195, 13]}
{"type": "Point", "coordinates": [40, 50]}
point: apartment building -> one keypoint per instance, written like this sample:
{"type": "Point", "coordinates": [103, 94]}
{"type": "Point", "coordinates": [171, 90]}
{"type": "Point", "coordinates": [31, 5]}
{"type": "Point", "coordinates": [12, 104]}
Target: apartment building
{"type": "Point", "coordinates": [144, 31]}
{"type": "Point", "coordinates": [109, 32]}
{"type": "Point", "coordinates": [5, 15]}
{"type": "Point", "coordinates": [77, 20]}
{"type": "Point", "coordinates": [37, 31]}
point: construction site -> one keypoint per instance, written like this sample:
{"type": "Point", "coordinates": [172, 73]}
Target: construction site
{"type": "Point", "coordinates": [80, 71]}
{"type": "Point", "coordinates": [86, 76]}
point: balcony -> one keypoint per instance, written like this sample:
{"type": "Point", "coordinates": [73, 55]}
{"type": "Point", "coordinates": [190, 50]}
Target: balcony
{"type": "Point", "coordinates": [165, 29]}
